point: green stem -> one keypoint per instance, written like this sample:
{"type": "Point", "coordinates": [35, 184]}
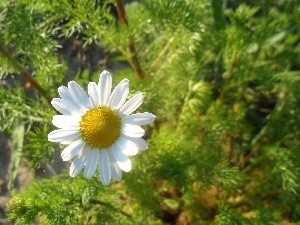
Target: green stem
{"type": "Point", "coordinates": [109, 39]}
{"type": "Point", "coordinates": [159, 57]}
{"type": "Point", "coordinates": [106, 204]}
{"type": "Point", "coordinates": [228, 79]}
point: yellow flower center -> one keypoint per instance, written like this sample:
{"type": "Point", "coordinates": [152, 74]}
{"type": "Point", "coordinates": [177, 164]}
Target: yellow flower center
{"type": "Point", "coordinates": [100, 127]}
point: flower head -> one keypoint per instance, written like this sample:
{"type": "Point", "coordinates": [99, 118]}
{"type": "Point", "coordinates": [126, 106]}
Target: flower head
{"type": "Point", "coordinates": [99, 128]}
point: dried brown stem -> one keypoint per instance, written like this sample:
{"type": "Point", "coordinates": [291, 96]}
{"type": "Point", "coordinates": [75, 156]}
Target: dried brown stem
{"type": "Point", "coordinates": [134, 56]}
{"type": "Point", "coordinates": [36, 85]}
{"type": "Point", "coordinates": [255, 148]}
{"type": "Point", "coordinates": [20, 70]}
{"type": "Point", "coordinates": [270, 195]}
{"type": "Point", "coordinates": [229, 146]}
{"type": "Point", "coordinates": [121, 13]}
{"type": "Point", "coordinates": [249, 156]}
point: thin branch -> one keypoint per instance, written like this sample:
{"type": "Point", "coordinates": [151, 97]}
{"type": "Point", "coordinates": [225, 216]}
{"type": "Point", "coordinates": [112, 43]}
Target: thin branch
{"type": "Point", "coordinates": [121, 13]}
{"type": "Point", "coordinates": [242, 164]}
{"type": "Point", "coordinates": [137, 66]}
{"type": "Point", "coordinates": [106, 204]}
{"type": "Point", "coordinates": [270, 195]}
{"type": "Point", "coordinates": [134, 56]}
{"type": "Point", "coordinates": [228, 78]}
{"type": "Point", "coordinates": [98, 202]}
{"type": "Point", "coordinates": [20, 70]}
{"type": "Point", "coordinates": [36, 85]}
{"type": "Point", "coordinates": [229, 146]}
{"type": "Point", "coordinates": [255, 148]}
{"type": "Point", "coordinates": [159, 57]}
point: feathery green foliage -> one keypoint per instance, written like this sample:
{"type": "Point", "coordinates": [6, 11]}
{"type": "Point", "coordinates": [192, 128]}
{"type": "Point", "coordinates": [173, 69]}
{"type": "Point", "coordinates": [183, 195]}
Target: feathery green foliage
{"type": "Point", "coordinates": [222, 78]}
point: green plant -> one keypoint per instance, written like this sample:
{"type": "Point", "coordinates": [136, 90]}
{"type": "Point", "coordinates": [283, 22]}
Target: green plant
{"type": "Point", "coordinates": [222, 78]}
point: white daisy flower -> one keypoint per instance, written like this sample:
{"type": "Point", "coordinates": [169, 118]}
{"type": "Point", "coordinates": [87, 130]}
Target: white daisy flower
{"type": "Point", "coordinates": [98, 127]}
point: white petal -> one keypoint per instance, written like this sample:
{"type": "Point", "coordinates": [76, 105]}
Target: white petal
{"type": "Point", "coordinates": [132, 104]}
{"type": "Point", "coordinates": [62, 121]}
{"type": "Point", "coordinates": [132, 130]}
{"type": "Point", "coordinates": [127, 146]}
{"type": "Point", "coordinates": [123, 161]}
{"type": "Point", "coordinates": [92, 159]}
{"type": "Point", "coordinates": [68, 100]}
{"type": "Point", "coordinates": [70, 142]}
{"type": "Point", "coordinates": [77, 164]}
{"type": "Point", "coordinates": [93, 94]}
{"type": "Point", "coordinates": [76, 168]}
{"type": "Point", "coordinates": [60, 106]}
{"type": "Point", "coordinates": [63, 135]}
{"type": "Point", "coordinates": [139, 118]}
{"type": "Point", "coordinates": [139, 142]}
{"type": "Point", "coordinates": [116, 172]}
{"type": "Point", "coordinates": [119, 95]}
{"type": "Point", "coordinates": [104, 88]}
{"type": "Point", "coordinates": [72, 150]}
{"type": "Point", "coordinates": [79, 95]}
{"type": "Point", "coordinates": [105, 173]}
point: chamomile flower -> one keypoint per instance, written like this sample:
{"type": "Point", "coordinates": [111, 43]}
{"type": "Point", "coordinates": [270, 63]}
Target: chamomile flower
{"type": "Point", "coordinates": [98, 128]}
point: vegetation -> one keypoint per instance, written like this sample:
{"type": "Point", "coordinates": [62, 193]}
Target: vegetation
{"type": "Point", "coordinates": [222, 78]}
